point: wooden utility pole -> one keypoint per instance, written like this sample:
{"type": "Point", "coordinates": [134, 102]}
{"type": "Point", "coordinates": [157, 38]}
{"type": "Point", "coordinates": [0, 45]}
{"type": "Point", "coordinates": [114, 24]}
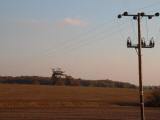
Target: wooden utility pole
{"type": "Point", "coordinates": [141, 44]}
{"type": "Point", "coordinates": [140, 69]}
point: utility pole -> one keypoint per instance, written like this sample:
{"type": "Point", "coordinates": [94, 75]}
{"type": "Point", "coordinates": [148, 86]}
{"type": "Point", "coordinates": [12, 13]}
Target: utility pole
{"type": "Point", "coordinates": [141, 44]}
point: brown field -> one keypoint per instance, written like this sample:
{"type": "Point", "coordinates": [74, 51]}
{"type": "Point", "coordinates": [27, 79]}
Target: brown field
{"type": "Point", "coordinates": [35, 102]}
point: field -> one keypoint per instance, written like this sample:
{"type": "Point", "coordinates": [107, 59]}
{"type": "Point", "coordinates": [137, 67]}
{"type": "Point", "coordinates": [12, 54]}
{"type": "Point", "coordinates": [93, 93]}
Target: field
{"type": "Point", "coordinates": [37, 102]}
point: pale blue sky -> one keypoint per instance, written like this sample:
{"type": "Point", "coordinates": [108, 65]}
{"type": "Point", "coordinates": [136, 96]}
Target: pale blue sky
{"type": "Point", "coordinates": [83, 37]}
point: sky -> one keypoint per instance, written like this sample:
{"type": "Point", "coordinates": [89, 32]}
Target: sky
{"type": "Point", "coordinates": [82, 37]}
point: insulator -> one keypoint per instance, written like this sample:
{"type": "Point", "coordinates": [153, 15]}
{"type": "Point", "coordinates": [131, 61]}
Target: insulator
{"type": "Point", "coordinates": [142, 14]}
{"type": "Point", "coordinates": [153, 44]}
{"type": "Point", "coordinates": [119, 16]}
{"type": "Point", "coordinates": [157, 14]}
{"type": "Point", "coordinates": [144, 43]}
{"type": "Point", "coordinates": [135, 17]}
{"type": "Point", "coordinates": [150, 43]}
{"type": "Point", "coordinates": [129, 42]}
{"type": "Point", "coordinates": [125, 13]}
{"type": "Point", "coordinates": [149, 17]}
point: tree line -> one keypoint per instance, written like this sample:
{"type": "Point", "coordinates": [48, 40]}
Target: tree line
{"type": "Point", "coordinates": [67, 81]}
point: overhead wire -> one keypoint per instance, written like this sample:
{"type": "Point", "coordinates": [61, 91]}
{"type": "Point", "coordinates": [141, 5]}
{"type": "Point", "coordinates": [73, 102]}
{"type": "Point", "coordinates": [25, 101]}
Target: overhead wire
{"type": "Point", "coordinates": [80, 36]}
{"type": "Point", "coordinates": [98, 35]}
{"type": "Point", "coordinates": [80, 39]}
{"type": "Point", "coordinates": [146, 22]}
{"type": "Point", "coordinates": [147, 30]}
{"type": "Point", "coordinates": [133, 28]}
{"type": "Point", "coordinates": [120, 32]}
{"type": "Point", "coordinates": [100, 38]}
{"type": "Point", "coordinates": [107, 33]}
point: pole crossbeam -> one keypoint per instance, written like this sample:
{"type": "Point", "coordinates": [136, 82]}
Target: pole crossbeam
{"type": "Point", "coordinates": [141, 44]}
{"type": "Point", "coordinates": [142, 14]}
{"type": "Point", "coordinates": [136, 46]}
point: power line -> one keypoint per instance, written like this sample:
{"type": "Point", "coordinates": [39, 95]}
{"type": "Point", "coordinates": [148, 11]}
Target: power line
{"type": "Point", "coordinates": [88, 42]}
{"type": "Point", "coordinates": [80, 38]}
{"type": "Point", "coordinates": [76, 38]}
{"type": "Point", "coordinates": [147, 28]}
{"type": "Point", "coordinates": [148, 6]}
{"type": "Point", "coordinates": [88, 37]}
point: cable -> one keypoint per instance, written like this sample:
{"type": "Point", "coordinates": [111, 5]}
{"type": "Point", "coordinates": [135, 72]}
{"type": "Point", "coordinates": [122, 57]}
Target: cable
{"type": "Point", "coordinates": [133, 29]}
{"type": "Point", "coordinates": [79, 40]}
{"type": "Point", "coordinates": [80, 36]}
{"type": "Point", "coordinates": [143, 8]}
{"type": "Point", "coordinates": [120, 32]}
{"type": "Point", "coordinates": [108, 35]}
{"type": "Point", "coordinates": [96, 35]}
{"type": "Point", "coordinates": [146, 19]}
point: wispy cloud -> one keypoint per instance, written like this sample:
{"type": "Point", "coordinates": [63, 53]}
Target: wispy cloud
{"type": "Point", "coordinates": [72, 22]}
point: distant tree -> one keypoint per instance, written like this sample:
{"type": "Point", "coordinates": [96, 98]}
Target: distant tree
{"type": "Point", "coordinates": [85, 82]}
{"type": "Point", "coordinates": [68, 79]}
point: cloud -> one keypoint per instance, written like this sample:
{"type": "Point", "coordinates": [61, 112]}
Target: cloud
{"type": "Point", "coordinates": [72, 22]}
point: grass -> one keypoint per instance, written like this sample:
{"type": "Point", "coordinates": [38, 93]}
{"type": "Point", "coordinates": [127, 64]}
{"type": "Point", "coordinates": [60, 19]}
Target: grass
{"type": "Point", "coordinates": [61, 96]}
{"type": "Point", "coordinates": [37, 102]}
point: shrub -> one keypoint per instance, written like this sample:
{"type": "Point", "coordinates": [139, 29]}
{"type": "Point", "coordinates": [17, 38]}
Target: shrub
{"type": "Point", "coordinates": [154, 99]}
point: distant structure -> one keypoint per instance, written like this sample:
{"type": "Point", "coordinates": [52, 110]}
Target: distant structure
{"type": "Point", "coordinates": [57, 75]}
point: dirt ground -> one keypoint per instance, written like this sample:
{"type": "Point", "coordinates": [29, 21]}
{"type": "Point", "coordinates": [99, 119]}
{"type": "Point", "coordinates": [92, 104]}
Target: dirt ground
{"type": "Point", "coordinates": [110, 113]}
